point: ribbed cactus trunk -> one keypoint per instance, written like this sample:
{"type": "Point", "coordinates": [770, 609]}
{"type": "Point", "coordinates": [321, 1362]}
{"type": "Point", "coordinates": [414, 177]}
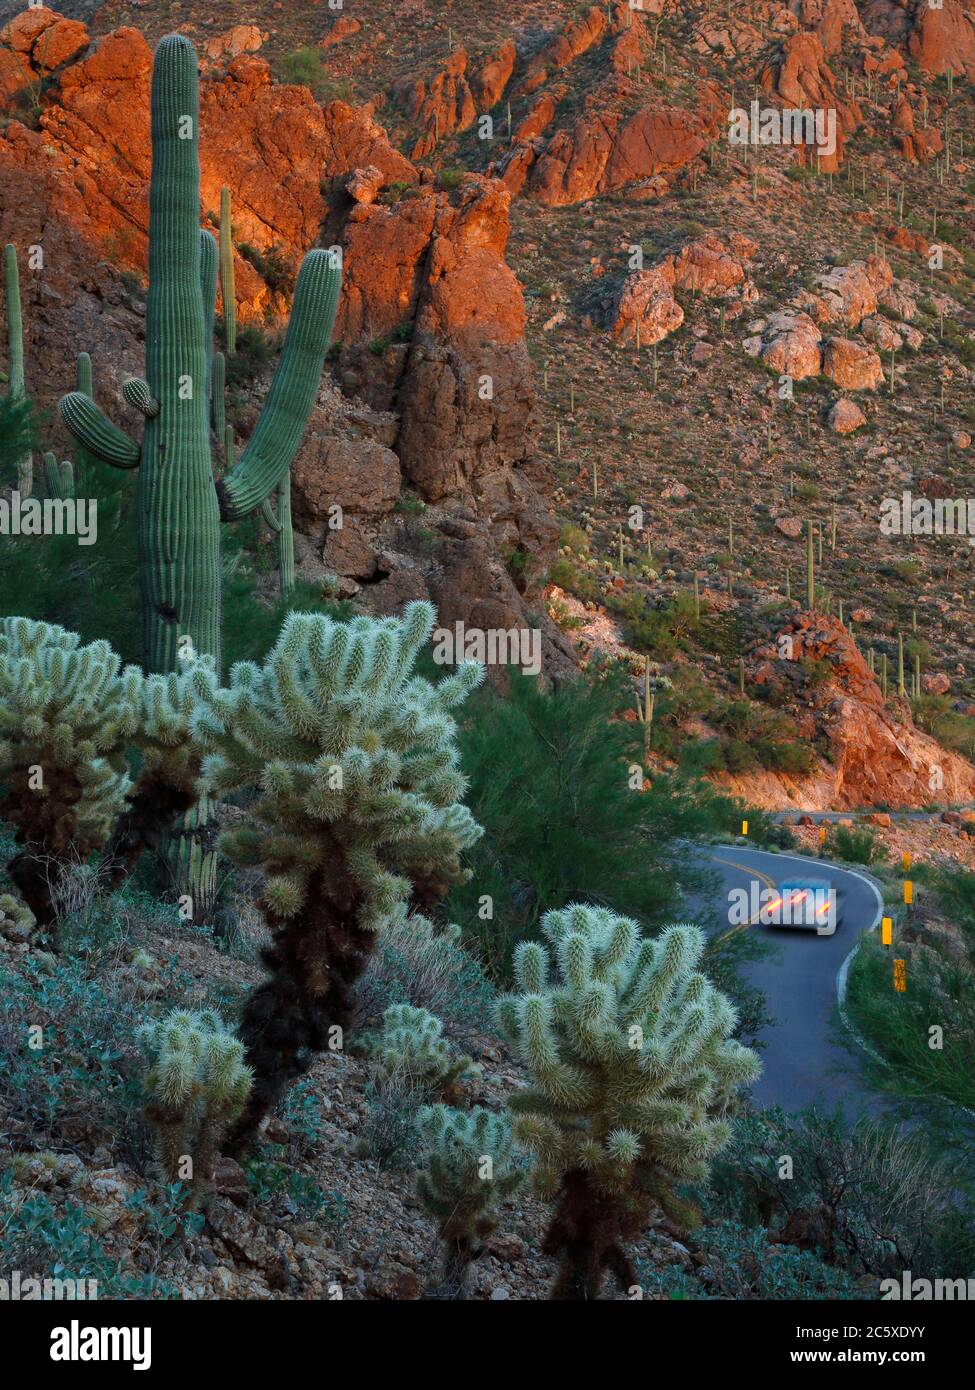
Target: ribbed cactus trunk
{"type": "Point", "coordinates": [180, 504]}
{"type": "Point", "coordinates": [286, 536]}
{"type": "Point", "coordinates": [15, 353]}
{"type": "Point", "coordinates": [179, 521]}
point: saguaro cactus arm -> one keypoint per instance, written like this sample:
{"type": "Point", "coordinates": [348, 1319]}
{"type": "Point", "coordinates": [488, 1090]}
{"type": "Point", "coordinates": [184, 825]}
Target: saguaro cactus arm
{"type": "Point", "coordinates": [274, 443]}
{"type": "Point", "coordinates": [95, 432]}
{"type": "Point", "coordinates": [227, 286]}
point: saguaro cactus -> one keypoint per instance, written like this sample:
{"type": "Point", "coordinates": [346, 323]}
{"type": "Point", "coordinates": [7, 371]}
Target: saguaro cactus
{"type": "Point", "coordinates": [180, 505]}
{"type": "Point", "coordinates": [633, 1068]}
{"type": "Point", "coordinates": [16, 396]}
{"type": "Point", "coordinates": [228, 290]}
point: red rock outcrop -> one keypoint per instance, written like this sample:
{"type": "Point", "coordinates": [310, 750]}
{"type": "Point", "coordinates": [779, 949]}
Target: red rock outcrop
{"type": "Point", "coordinates": [802, 78]}
{"type": "Point", "coordinates": [712, 266]}
{"type": "Point", "coordinates": [877, 755]}
{"type": "Point", "coordinates": [576, 37]}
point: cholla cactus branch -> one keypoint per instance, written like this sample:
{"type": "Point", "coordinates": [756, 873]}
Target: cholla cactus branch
{"type": "Point", "coordinates": [633, 1066]}
{"type": "Point", "coordinates": [68, 715]}
{"type": "Point", "coordinates": [359, 804]}
{"type": "Point", "coordinates": [470, 1168]}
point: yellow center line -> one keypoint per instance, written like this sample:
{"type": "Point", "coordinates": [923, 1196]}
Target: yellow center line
{"type": "Point", "coordinates": [756, 873]}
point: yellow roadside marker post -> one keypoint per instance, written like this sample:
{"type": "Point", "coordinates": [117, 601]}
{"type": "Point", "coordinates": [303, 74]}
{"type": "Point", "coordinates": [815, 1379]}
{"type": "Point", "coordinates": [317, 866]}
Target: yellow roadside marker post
{"type": "Point", "coordinates": [907, 861]}
{"type": "Point", "coordinates": [744, 827]}
{"type": "Point", "coordinates": [900, 976]}
{"type": "Point", "coordinates": [887, 931]}
{"type": "Point", "coordinates": [908, 893]}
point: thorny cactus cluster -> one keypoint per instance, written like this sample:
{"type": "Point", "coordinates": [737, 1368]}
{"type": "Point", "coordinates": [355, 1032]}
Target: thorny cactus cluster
{"type": "Point", "coordinates": [470, 1167]}
{"type": "Point", "coordinates": [359, 806]}
{"type": "Point", "coordinates": [68, 715]}
{"type": "Point", "coordinates": [412, 1039]}
{"type": "Point", "coordinates": [196, 1085]}
{"type": "Point", "coordinates": [633, 1067]}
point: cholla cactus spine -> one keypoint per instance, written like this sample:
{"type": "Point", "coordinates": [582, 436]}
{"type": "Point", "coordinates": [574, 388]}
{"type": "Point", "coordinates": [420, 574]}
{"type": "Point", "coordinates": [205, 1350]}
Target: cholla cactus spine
{"type": "Point", "coordinates": [470, 1168]}
{"type": "Point", "coordinates": [633, 1068]}
{"type": "Point", "coordinates": [196, 1084]}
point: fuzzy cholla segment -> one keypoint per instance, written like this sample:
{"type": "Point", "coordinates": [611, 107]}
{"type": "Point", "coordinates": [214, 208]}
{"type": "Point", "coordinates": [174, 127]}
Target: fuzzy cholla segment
{"type": "Point", "coordinates": [412, 1039]}
{"type": "Point", "coordinates": [196, 1084]}
{"type": "Point", "coordinates": [69, 710]}
{"type": "Point", "coordinates": [352, 754]}
{"type": "Point", "coordinates": [629, 1049]}
{"type": "Point", "coordinates": [470, 1167]}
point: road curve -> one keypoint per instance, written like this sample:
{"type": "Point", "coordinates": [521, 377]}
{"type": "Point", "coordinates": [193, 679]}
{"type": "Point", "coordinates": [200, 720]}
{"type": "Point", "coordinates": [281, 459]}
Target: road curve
{"type": "Point", "coordinates": [805, 1059]}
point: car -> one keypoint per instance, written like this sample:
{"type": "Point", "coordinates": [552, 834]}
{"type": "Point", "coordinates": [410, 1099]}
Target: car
{"type": "Point", "coordinates": [804, 904]}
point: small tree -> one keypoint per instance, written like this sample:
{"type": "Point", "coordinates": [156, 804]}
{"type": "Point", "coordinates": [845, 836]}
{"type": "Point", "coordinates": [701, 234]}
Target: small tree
{"type": "Point", "coordinates": [358, 807]}
{"type": "Point", "coordinates": [633, 1068]}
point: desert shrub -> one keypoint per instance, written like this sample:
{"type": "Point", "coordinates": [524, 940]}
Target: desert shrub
{"type": "Point", "coordinates": [418, 963]}
{"type": "Point", "coordinates": [305, 67]}
{"type": "Point", "coordinates": [550, 780]}
{"type": "Point", "coordinates": [77, 1079]}
{"type": "Point", "coordinates": [899, 1025]}
{"type": "Point", "coordinates": [741, 1262]}
{"type": "Point", "coordinates": [394, 1098]}
{"type": "Point", "coordinates": [855, 846]}
{"type": "Point", "coordinates": [866, 1197]}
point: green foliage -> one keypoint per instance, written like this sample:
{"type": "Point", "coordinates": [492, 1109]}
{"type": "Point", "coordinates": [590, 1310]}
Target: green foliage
{"type": "Point", "coordinates": [633, 1070]}
{"type": "Point", "coordinates": [196, 1085]}
{"type": "Point", "coordinates": [953, 730]}
{"type": "Point", "coordinates": [412, 1039]}
{"type": "Point", "coordinates": [17, 922]}
{"type": "Point", "coordinates": [306, 67]}
{"type": "Point", "coordinates": [271, 265]}
{"type": "Point", "coordinates": [868, 1198]}
{"type": "Point", "coordinates": [550, 779]}
{"type": "Point", "coordinates": [939, 992]}
{"type": "Point", "coordinates": [742, 1262]}
{"type": "Point", "coordinates": [469, 1168]}
{"type": "Point", "coordinates": [854, 846]}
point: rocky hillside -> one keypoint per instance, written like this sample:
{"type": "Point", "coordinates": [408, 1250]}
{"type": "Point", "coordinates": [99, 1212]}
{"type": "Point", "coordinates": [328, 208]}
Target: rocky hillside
{"type": "Point", "coordinates": [695, 349]}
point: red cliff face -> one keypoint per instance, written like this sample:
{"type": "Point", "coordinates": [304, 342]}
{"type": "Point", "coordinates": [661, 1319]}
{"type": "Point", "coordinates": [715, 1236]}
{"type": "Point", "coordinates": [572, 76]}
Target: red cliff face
{"type": "Point", "coordinates": [876, 754]}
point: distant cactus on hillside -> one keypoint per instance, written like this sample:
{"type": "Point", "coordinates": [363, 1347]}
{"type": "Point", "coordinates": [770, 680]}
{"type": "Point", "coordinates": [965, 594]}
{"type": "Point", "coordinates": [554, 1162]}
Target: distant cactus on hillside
{"type": "Point", "coordinates": [633, 1067]}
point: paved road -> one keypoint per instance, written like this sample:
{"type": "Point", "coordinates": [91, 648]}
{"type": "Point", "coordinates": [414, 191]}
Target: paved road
{"type": "Point", "coordinates": [804, 1061]}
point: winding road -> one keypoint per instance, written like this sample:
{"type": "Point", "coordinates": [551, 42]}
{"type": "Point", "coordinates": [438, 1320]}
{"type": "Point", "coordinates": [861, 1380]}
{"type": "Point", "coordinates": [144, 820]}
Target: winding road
{"type": "Point", "coordinates": [805, 1058]}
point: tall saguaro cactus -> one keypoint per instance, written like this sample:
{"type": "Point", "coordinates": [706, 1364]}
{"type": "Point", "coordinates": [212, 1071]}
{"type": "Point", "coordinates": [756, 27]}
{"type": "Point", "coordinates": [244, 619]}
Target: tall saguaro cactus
{"type": "Point", "coordinates": [181, 504]}
{"type": "Point", "coordinates": [16, 394]}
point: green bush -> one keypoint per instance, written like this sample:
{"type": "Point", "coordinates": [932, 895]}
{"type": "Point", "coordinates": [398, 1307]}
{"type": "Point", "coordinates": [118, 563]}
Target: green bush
{"type": "Point", "coordinates": [550, 781]}
{"type": "Point", "coordinates": [855, 846]}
